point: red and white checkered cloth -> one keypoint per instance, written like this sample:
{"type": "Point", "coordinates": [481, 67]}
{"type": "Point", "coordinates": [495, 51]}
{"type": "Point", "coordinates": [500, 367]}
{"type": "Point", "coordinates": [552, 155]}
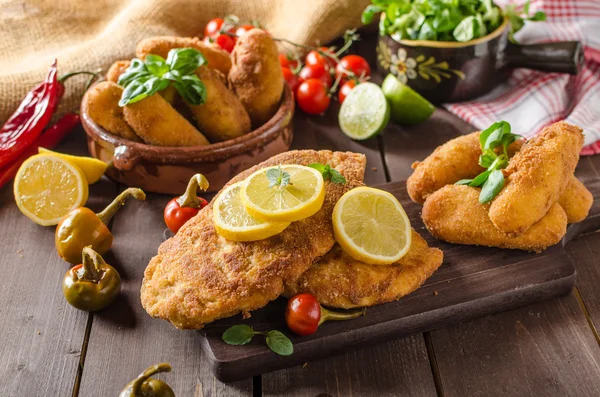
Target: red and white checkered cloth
{"type": "Point", "coordinates": [530, 100]}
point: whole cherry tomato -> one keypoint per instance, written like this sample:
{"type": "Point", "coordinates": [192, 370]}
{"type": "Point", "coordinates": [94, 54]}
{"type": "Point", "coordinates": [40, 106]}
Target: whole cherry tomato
{"type": "Point", "coordinates": [292, 80]}
{"type": "Point", "coordinates": [316, 72]}
{"type": "Point", "coordinates": [181, 209]}
{"type": "Point", "coordinates": [213, 26]}
{"type": "Point", "coordinates": [243, 29]}
{"type": "Point", "coordinates": [355, 64]}
{"type": "Point", "coordinates": [345, 89]}
{"type": "Point", "coordinates": [304, 314]}
{"type": "Point", "coordinates": [224, 41]}
{"type": "Point", "coordinates": [288, 61]}
{"type": "Point", "coordinates": [312, 96]}
{"type": "Point", "coordinates": [314, 57]}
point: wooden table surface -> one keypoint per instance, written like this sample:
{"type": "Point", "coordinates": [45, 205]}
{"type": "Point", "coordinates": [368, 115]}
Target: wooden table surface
{"type": "Point", "coordinates": [51, 349]}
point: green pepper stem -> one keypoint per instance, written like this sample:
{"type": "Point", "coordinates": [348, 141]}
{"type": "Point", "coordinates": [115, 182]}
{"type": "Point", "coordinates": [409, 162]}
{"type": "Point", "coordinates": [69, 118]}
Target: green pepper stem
{"type": "Point", "coordinates": [336, 316]}
{"type": "Point", "coordinates": [106, 215]}
{"type": "Point", "coordinates": [190, 197]}
{"type": "Point", "coordinates": [148, 372]}
{"type": "Point", "coordinates": [92, 263]}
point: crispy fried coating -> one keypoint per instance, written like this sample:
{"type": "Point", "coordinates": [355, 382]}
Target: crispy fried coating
{"type": "Point", "coordinates": [222, 116]}
{"type": "Point", "coordinates": [102, 101]}
{"type": "Point", "coordinates": [454, 214]}
{"type": "Point", "coordinates": [199, 276]}
{"type": "Point", "coordinates": [155, 121]}
{"type": "Point", "coordinates": [116, 70]}
{"type": "Point", "coordinates": [535, 177]}
{"type": "Point", "coordinates": [576, 200]}
{"type": "Point", "coordinates": [256, 75]}
{"type": "Point", "coordinates": [216, 58]}
{"type": "Point", "coordinates": [338, 280]}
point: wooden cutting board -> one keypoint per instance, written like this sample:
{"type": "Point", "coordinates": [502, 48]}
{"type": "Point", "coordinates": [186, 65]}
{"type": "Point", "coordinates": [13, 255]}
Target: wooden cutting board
{"type": "Point", "coordinates": [472, 282]}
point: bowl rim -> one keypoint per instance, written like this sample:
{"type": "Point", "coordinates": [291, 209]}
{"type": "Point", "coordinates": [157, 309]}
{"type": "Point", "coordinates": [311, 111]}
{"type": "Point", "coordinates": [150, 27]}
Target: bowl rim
{"type": "Point", "coordinates": [452, 44]}
{"type": "Point", "coordinates": [199, 153]}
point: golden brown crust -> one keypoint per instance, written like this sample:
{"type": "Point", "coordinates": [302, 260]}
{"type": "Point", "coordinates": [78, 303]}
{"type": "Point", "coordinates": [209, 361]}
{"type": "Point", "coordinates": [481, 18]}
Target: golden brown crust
{"type": "Point", "coordinates": [338, 280]}
{"type": "Point", "coordinates": [216, 58]}
{"type": "Point", "coordinates": [576, 200]}
{"type": "Point", "coordinates": [454, 214]}
{"type": "Point", "coordinates": [256, 75]}
{"type": "Point", "coordinates": [198, 276]}
{"type": "Point", "coordinates": [116, 70]}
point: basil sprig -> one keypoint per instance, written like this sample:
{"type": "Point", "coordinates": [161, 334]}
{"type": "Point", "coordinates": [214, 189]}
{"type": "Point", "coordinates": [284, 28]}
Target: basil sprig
{"type": "Point", "coordinates": [492, 179]}
{"type": "Point", "coordinates": [145, 78]}
{"type": "Point", "coordinates": [242, 334]}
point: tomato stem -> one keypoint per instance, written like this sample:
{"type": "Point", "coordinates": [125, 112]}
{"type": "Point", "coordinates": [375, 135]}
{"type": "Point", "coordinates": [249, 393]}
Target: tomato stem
{"type": "Point", "coordinates": [190, 197]}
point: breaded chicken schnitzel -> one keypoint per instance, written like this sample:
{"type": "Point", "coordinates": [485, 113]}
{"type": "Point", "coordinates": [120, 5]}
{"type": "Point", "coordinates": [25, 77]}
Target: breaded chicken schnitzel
{"type": "Point", "coordinates": [199, 276]}
{"type": "Point", "coordinates": [338, 280]}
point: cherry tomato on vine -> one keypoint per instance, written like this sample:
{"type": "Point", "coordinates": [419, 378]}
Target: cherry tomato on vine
{"type": "Point", "coordinates": [243, 29]}
{"type": "Point", "coordinates": [345, 89]}
{"type": "Point", "coordinates": [312, 97]}
{"type": "Point", "coordinates": [213, 26]}
{"type": "Point", "coordinates": [355, 64]}
{"type": "Point", "coordinates": [287, 61]}
{"type": "Point", "coordinates": [316, 72]}
{"type": "Point", "coordinates": [224, 41]}
{"type": "Point", "coordinates": [290, 78]}
{"type": "Point", "coordinates": [315, 58]}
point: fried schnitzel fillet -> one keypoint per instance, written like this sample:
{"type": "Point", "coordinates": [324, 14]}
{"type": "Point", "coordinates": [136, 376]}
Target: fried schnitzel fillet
{"type": "Point", "coordinates": [199, 276]}
{"type": "Point", "coordinates": [454, 214]}
{"type": "Point", "coordinates": [338, 280]}
{"type": "Point", "coordinates": [535, 177]}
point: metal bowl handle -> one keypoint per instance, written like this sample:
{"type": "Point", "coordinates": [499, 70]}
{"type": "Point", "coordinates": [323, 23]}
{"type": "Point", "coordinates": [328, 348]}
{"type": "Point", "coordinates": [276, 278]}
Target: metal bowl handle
{"type": "Point", "coordinates": [559, 57]}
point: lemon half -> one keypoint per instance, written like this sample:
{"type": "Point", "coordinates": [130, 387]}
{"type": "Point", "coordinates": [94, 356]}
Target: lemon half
{"type": "Point", "coordinates": [371, 226]}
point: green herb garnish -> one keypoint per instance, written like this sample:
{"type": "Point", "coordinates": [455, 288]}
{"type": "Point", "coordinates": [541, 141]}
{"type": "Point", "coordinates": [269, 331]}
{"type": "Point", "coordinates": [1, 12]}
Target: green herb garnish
{"type": "Point", "coordinates": [278, 177]}
{"type": "Point", "coordinates": [444, 20]}
{"type": "Point", "coordinates": [145, 78]}
{"type": "Point", "coordinates": [242, 334]}
{"type": "Point", "coordinates": [492, 179]}
{"type": "Point", "coordinates": [329, 174]}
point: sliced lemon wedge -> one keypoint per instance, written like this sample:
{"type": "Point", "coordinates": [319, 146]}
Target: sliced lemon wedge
{"type": "Point", "coordinates": [233, 222]}
{"type": "Point", "coordinates": [48, 187]}
{"type": "Point", "coordinates": [285, 193]}
{"type": "Point", "coordinates": [371, 226]}
{"type": "Point", "coordinates": [92, 168]}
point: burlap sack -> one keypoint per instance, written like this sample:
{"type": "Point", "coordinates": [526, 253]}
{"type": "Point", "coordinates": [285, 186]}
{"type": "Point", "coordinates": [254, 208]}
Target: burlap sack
{"type": "Point", "coordinates": [87, 35]}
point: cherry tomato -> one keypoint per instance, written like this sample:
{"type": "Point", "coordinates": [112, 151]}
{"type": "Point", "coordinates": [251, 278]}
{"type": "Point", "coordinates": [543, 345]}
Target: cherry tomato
{"type": "Point", "coordinates": [316, 72]}
{"type": "Point", "coordinates": [287, 61]}
{"type": "Point", "coordinates": [315, 58]}
{"type": "Point", "coordinates": [312, 96]}
{"type": "Point", "coordinates": [224, 41]}
{"type": "Point", "coordinates": [176, 216]}
{"type": "Point", "coordinates": [243, 29]}
{"type": "Point", "coordinates": [355, 64]}
{"type": "Point", "coordinates": [213, 26]}
{"type": "Point", "coordinates": [345, 89]}
{"type": "Point", "coordinates": [292, 80]}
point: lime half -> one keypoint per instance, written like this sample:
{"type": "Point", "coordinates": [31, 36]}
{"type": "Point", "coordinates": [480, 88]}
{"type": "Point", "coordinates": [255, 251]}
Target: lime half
{"type": "Point", "coordinates": [364, 112]}
{"type": "Point", "coordinates": [407, 106]}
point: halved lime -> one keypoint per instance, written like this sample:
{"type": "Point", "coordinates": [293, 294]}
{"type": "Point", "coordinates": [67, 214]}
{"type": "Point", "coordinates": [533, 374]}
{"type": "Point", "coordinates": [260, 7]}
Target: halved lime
{"type": "Point", "coordinates": [407, 106]}
{"type": "Point", "coordinates": [364, 112]}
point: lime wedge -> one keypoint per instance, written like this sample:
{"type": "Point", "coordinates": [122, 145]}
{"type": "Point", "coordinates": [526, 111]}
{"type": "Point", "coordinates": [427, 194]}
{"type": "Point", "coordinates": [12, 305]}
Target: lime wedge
{"type": "Point", "coordinates": [407, 106]}
{"type": "Point", "coordinates": [364, 112]}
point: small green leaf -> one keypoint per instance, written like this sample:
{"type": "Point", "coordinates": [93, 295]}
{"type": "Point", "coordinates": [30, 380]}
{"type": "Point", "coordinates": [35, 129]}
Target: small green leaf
{"type": "Point", "coordinates": [486, 133]}
{"type": "Point", "coordinates": [486, 159]}
{"type": "Point", "coordinates": [465, 31]}
{"type": "Point", "coordinates": [492, 187]}
{"type": "Point", "coordinates": [278, 177]}
{"type": "Point", "coordinates": [464, 182]}
{"type": "Point", "coordinates": [538, 16]}
{"type": "Point", "coordinates": [480, 179]}
{"type": "Point", "coordinates": [136, 69]}
{"type": "Point", "coordinates": [191, 89]}
{"type": "Point", "coordinates": [319, 167]}
{"type": "Point", "coordinates": [329, 174]}
{"type": "Point", "coordinates": [369, 13]}
{"type": "Point", "coordinates": [184, 61]}
{"type": "Point", "coordinates": [140, 89]}
{"type": "Point", "coordinates": [156, 65]}
{"type": "Point", "coordinates": [240, 334]}
{"type": "Point", "coordinates": [279, 343]}
{"type": "Point", "coordinates": [336, 177]}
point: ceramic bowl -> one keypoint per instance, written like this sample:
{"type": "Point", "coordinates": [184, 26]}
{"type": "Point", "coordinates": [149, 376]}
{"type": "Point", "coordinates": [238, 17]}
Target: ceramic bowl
{"type": "Point", "coordinates": [168, 169]}
{"type": "Point", "coordinates": [454, 71]}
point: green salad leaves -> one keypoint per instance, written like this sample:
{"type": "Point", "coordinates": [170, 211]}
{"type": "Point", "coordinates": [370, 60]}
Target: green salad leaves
{"type": "Point", "coordinates": [444, 20]}
{"type": "Point", "coordinates": [145, 78]}
{"type": "Point", "coordinates": [496, 136]}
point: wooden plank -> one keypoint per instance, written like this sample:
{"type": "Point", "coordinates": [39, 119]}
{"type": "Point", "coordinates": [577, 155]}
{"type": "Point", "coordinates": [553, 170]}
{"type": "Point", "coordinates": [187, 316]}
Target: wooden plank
{"type": "Point", "coordinates": [42, 335]}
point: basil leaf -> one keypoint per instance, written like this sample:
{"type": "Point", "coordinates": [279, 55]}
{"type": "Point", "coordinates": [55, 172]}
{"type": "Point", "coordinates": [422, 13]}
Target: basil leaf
{"type": "Point", "coordinates": [142, 88]}
{"type": "Point", "coordinates": [240, 334]}
{"type": "Point", "coordinates": [494, 138]}
{"type": "Point", "coordinates": [480, 179]}
{"type": "Point", "coordinates": [191, 89]}
{"type": "Point", "coordinates": [136, 69]}
{"type": "Point", "coordinates": [486, 159]}
{"type": "Point", "coordinates": [464, 182]}
{"type": "Point", "coordinates": [156, 65]}
{"type": "Point", "coordinates": [279, 343]}
{"type": "Point", "coordinates": [185, 61]}
{"type": "Point", "coordinates": [492, 187]}
{"type": "Point", "coordinates": [318, 166]}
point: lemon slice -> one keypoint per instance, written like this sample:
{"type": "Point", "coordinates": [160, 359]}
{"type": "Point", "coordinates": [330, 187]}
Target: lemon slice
{"type": "Point", "coordinates": [371, 226]}
{"type": "Point", "coordinates": [233, 222]}
{"type": "Point", "coordinates": [92, 168]}
{"type": "Point", "coordinates": [299, 195]}
{"type": "Point", "coordinates": [48, 187]}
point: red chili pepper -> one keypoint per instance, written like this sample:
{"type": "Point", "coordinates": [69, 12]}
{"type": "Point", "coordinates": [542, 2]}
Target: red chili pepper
{"type": "Point", "coordinates": [181, 209]}
{"type": "Point", "coordinates": [304, 314]}
{"type": "Point", "coordinates": [49, 139]}
{"type": "Point", "coordinates": [30, 119]}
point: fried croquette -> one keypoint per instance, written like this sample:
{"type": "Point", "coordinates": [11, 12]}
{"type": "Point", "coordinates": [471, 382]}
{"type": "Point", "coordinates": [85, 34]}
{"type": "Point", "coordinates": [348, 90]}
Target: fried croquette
{"type": "Point", "coordinates": [216, 58]}
{"type": "Point", "coordinates": [576, 200]}
{"type": "Point", "coordinates": [338, 280]}
{"type": "Point", "coordinates": [155, 121]}
{"type": "Point", "coordinates": [222, 116]}
{"type": "Point", "coordinates": [535, 178]}
{"type": "Point", "coordinates": [199, 276]}
{"type": "Point", "coordinates": [102, 102]}
{"type": "Point", "coordinates": [454, 214]}
{"type": "Point", "coordinates": [256, 75]}
{"type": "Point", "coordinates": [116, 70]}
